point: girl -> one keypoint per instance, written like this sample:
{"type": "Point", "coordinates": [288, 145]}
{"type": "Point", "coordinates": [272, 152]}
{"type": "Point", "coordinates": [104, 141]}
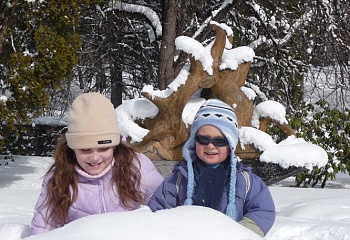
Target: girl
{"type": "Point", "coordinates": [93, 172]}
{"type": "Point", "coordinates": [212, 175]}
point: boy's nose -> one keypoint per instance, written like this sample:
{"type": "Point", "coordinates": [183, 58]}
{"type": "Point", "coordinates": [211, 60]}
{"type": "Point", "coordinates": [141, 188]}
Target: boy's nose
{"type": "Point", "coordinates": [211, 145]}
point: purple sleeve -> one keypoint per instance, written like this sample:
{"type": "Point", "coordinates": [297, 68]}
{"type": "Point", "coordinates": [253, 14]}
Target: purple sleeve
{"type": "Point", "coordinates": [150, 177]}
{"type": "Point", "coordinates": [166, 195]}
{"type": "Point", "coordinates": [259, 205]}
{"type": "Point", "coordinates": [38, 224]}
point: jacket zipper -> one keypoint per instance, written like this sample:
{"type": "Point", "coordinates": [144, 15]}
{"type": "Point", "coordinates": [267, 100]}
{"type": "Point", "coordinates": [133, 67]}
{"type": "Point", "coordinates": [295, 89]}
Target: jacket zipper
{"type": "Point", "coordinates": [102, 199]}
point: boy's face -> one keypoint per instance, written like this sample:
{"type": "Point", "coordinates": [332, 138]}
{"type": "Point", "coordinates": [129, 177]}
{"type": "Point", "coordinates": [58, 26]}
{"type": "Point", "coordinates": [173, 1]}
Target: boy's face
{"type": "Point", "coordinates": [211, 154]}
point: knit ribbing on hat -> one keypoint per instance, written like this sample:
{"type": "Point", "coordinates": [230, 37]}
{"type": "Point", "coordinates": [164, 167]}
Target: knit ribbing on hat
{"type": "Point", "coordinates": [92, 123]}
{"type": "Point", "coordinates": [220, 115]}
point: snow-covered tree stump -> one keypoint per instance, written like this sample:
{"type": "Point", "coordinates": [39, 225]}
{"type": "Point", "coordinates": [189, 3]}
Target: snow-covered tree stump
{"type": "Point", "coordinates": [215, 71]}
{"type": "Point", "coordinates": [220, 71]}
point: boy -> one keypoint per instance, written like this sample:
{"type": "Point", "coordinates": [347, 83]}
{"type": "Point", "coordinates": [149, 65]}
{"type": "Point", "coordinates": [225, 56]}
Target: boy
{"type": "Point", "coordinates": [213, 177]}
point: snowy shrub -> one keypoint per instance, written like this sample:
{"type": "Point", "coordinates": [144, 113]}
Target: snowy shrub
{"type": "Point", "coordinates": [328, 128]}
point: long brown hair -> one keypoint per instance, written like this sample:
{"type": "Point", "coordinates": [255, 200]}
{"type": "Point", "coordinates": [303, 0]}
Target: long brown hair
{"type": "Point", "coordinates": [126, 176]}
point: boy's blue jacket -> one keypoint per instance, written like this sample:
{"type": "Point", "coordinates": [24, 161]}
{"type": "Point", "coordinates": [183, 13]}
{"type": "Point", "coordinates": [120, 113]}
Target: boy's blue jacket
{"type": "Point", "coordinates": [257, 204]}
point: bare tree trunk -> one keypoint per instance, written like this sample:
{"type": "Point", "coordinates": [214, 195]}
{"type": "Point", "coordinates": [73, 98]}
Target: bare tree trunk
{"type": "Point", "coordinates": [116, 78]}
{"type": "Point", "coordinates": [5, 24]}
{"type": "Point", "coordinates": [166, 72]}
{"type": "Point", "coordinates": [174, 18]}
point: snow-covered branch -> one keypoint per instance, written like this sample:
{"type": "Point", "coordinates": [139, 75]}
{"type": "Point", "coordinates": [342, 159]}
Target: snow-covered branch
{"type": "Point", "coordinates": [146, 11]}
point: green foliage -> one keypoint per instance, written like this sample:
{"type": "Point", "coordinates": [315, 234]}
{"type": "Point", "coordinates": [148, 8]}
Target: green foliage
{"type": "Point", "coordinates": [328, 128]}
{"type": "Point", "coordinates": [40, 52]}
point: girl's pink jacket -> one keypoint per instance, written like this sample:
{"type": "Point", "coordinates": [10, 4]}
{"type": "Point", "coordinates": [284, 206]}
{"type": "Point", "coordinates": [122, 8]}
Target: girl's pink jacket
{"type": "Point", "coordinates": [95, 195]}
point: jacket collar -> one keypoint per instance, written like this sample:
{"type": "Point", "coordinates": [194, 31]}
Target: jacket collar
{"type": "Point", "coordinates": [84, 174]}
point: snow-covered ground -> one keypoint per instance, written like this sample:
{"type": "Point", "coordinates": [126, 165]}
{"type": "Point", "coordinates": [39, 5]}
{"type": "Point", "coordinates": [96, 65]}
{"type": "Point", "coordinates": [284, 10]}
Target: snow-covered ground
{"type": "Point", "coordinates": [302, 214]}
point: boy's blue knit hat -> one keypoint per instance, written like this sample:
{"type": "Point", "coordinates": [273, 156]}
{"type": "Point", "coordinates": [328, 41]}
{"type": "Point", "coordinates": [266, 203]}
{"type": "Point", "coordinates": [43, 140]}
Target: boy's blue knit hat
{"type": "Point", "coordinates": [220, 115]}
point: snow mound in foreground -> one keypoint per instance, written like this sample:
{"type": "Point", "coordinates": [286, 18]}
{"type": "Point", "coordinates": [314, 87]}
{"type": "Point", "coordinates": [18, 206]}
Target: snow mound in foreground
{"type": "Point", "coordinates": [185, 222]}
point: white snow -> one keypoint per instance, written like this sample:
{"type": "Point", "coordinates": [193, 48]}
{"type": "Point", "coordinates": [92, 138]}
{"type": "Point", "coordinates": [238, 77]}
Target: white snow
{"type": "Point", "coordinates": [302, 213]}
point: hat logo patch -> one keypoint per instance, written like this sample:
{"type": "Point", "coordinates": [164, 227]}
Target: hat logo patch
{"type": "Point", "coordinates": [104, 141]}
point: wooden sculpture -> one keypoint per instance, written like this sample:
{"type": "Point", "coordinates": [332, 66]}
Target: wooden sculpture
{"type": "Point", "coordinates": [167, 131]}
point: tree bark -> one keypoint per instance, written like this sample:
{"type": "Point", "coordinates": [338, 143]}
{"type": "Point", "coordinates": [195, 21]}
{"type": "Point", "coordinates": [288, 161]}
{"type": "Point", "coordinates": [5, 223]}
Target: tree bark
{"type": "Point", "coordinates": [5, 25]}
{"type": "Point", "coordinates": [116, 78]}
{"type": "Point", "coordinates": [166, 73]}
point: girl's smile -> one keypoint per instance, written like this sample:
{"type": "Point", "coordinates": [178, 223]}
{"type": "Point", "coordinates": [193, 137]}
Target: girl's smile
{"type": "Point", "coordinates": [94, 160]}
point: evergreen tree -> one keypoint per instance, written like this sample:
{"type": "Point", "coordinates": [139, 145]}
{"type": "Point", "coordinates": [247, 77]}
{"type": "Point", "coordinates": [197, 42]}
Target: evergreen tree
{"type": "Point", "coordinates": [39, 50]}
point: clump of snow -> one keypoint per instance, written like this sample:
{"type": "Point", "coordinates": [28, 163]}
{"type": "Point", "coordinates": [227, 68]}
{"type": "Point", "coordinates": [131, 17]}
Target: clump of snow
{"type": "Point", "coordinates": [191, 109]}
{"type": "Point", "coordinates": [51, 121]}
{"type": "Point", "coordinates": [295, 152]}
{"type": "Point", "coordinates": [3, 98]}
{"type": "Point", "coordinates": [249, 93]}
{"type": "Point", "coordinates": [11, 231]}
{"type": "Point", "coordinates": [226, 28]}
{"type": "Point", "coordinates": [260, 139]}
{"type": "Point", "coordinates": [292, 151]}
{"type": "Point", "coordinates": [197, 50]}
{"type": "Point", "coordinates": [172, 87]}
{"type": "Point", "coordinates": [143, 224]}
{"type": "Point", "coordinates": [131, 110]}
{"type": "Point", "coordinates": [233, 57]}
{"type": "Point", "coordinates": [228, 31]}
{"type": "Point", "coordinates": [271, 109]}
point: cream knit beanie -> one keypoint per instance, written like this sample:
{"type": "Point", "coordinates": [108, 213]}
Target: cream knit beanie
{"type": "Point", "coordinates": [92, 123]}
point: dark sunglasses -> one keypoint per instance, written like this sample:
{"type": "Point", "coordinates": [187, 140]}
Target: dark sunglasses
{"type": "Point", "coordinates": [217, 142]}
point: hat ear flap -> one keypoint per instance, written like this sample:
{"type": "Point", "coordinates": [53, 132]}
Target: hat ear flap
{"type": "Point", "coordinates": [231, 210]}
{"type": "Point", "coordinates": [190, 184]}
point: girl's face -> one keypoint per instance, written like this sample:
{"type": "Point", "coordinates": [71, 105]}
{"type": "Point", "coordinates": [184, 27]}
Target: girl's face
{"type": "Point", "coordinates": [94, 160]}
{"type": "Point", "coordinates": [208, 152]}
